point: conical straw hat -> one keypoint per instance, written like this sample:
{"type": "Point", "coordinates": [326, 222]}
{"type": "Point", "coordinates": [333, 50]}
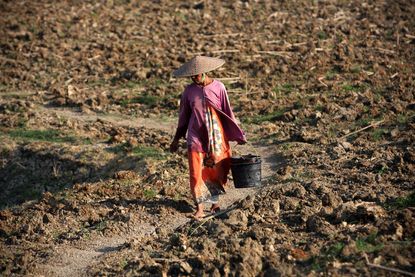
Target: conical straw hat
{"type": "Point", "coordinates": [198, 65]}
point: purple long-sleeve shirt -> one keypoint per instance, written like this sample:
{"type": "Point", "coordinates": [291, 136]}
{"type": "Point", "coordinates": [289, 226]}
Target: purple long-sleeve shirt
{"type": "Point", "coordinates": [192, 115]}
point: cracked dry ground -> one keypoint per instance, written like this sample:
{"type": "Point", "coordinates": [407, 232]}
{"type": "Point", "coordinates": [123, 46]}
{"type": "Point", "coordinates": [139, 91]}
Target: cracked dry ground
{"type": "Point", "coordinates": [324, 90]}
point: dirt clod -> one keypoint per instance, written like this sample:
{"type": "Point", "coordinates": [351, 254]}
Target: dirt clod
{"type": "Point", "coordinates": [88, 108]}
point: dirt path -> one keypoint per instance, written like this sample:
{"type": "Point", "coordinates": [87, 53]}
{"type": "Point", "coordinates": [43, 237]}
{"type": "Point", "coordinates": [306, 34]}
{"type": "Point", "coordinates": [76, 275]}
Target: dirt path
{"type": "Point", "coordinates": [161, 123]}
{"type": "Point", "coordinates": [74, 259]}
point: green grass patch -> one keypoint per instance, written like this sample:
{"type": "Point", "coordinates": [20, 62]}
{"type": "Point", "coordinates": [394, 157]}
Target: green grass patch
{"type": "Point", "coordinates": [141, 152]}
{"type": "Point", "coordinates": [266, 117]}
{"type": "Point", "coordinates": [148, 100]}
{"type": "Point", "coordinates": [349, 87]}
{"type": "Point", "coordinates": [366, 120]}
{"type": "Point", "coordinates": [322, 35]}
{"type": "Point", "coordinates": [363, 122]}
{"type": "Point", "coordinates": [335, 249]}
{"type": "Point", "coordinates": [157, 82]}
{"type": "Point", "coordinates": [404, 118]}
{"type": "Point", "coordinates": [87, 141]}
{"type": "Point", "coordinates": [131, 84]}
{"type": "Point", "coordinates": [41, 135]}
{"type": "Point", "coordinates": [178, 197]}
{"type": "Point", "coordinates": [285, 88]}
{"type": "Point", "coordinates": [100, 226]}
{"type": "Point", "coordinates": [85, 233]}
{"type": "Point", "coordinates": [383, 169]}
{"type": "Point", "coordinates": [147, 152]}
{"type": "Point", "coordinates": [123, 264]}
{"type": "Point", "coordinates": [369, 244]}
{"type": "Point", "coordinates": [118, 148]}
{"type": "Point", "coordinates": [377, 134]}
{"type": "Point", "coordinates": [404, 202]}
{"type": "Point", "coordinates": [319, 107]}
{"type": "Point", "coordinates": [318, 263]}
{"type": "Point", "coordinates": [149, 193]}
{"type": "Point", "coordinates": [377, 97]}
{"type": "Point", "coordinates": [287, 145]}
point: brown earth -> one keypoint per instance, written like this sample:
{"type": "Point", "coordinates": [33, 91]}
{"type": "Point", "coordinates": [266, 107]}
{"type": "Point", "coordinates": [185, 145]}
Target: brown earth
{"type": "Point", "coordinates": [323, 89]}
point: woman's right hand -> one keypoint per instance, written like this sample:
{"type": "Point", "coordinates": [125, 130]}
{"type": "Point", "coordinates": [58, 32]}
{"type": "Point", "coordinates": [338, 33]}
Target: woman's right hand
{"type": "Point", "coordinates": [242, 142]}
{"type": "Point", "coordinates": [174, 146]}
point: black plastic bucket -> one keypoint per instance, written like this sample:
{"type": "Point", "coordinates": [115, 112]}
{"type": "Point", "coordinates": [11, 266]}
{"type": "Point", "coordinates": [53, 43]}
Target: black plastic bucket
{"type": "Point", "coordinates": [246, 171]}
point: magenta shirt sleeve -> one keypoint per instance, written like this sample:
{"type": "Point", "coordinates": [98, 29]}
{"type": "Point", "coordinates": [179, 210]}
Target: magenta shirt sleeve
{"type": "Point", "coordinates": [184, 116]}
{"type": "Point", "coordinates": [233, 131]}
{"type": "Point", "coordinates": [225, 104]}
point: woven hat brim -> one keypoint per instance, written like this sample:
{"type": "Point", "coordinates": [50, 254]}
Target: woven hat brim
{"type": "Point", "coordinates": [190, 69]}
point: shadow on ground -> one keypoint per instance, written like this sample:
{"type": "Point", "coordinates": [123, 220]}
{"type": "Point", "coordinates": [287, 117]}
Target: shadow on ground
{"type": "Point", "coordinates": [28, 172]}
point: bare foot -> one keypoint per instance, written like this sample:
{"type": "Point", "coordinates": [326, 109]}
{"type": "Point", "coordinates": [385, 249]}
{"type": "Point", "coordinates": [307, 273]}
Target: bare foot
{"type": "Point", "coordinates": [198, 214]}
{"type": "Point", "coordinates": [215, 208]}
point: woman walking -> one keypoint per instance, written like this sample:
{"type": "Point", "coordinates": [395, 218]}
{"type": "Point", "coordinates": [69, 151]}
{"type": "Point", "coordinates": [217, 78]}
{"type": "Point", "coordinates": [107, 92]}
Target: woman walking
{"type": "Point", "coordinates": [207, 118]}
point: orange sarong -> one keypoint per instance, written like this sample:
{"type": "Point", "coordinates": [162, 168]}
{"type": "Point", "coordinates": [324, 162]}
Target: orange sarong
{"type": "Point", "coordinates": [209, 171]}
